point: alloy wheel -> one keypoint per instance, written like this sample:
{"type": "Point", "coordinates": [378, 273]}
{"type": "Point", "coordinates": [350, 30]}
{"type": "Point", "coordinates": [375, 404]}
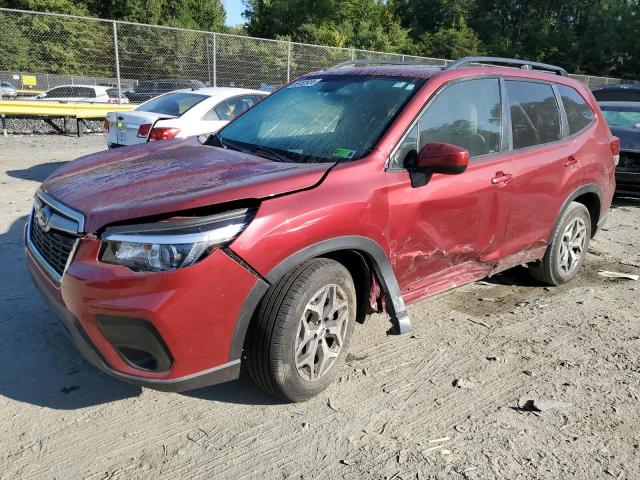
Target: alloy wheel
{"type": "Point", "coordinates": [321, 332]}
{"type": "Point", "coordinates": [572, 245]}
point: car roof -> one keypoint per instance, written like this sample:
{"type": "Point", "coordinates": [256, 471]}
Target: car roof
{"type": "Point", "coordinates": [621, 105]}
{"type": "Point", "coordinates": [171, 80]}
{"type": "Point", "coordinates": [618, 86]}
{"type": "Point", "coordinates": [408, 70]}
{"type": "Point", "coordinates": [80, 85]}
{"type": "Point", "coordinates": [227, 91]}
{"type": "Point", "coordinates": [424, 71]}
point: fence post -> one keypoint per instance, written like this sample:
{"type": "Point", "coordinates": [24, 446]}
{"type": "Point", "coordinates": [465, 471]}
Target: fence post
{"type": "Point", "coordinates": [215, 59]}
{"type": "Point", "coordinates": [353, 54]}
{"type": "Point", "coordinates": [288, 62]}
{"type": "Point", "coordinates": [115, 49]}
{"type": "Point", "coordinates": [206, 49]}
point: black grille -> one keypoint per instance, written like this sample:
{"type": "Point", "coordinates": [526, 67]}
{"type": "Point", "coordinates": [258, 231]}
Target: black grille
{"type": "Point", "coordinates": [54, 246]}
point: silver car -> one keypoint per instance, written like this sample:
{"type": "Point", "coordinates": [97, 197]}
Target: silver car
{"type": "Point", "coordinates": [8, 90]}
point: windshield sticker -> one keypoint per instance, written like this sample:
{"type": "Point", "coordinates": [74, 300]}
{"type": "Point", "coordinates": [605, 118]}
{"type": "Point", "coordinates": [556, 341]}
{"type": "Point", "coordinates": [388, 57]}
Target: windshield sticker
{"type": "Point", "coordinates": [399, 84]}
{"type": "Point", "coordinates": [307, 82]}
{"type": "Point", "coordinates": [343, 153]}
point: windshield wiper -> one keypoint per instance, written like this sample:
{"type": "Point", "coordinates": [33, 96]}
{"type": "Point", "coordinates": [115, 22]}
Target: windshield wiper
{"type": "Point", "coordinates": [271, 154]}
{"type": "Point", "coordinates": [225, 144]}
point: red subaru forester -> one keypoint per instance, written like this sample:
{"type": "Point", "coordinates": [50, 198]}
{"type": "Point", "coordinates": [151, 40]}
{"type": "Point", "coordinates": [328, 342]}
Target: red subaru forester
{"type": "Point", "coordinates": [357, 189]}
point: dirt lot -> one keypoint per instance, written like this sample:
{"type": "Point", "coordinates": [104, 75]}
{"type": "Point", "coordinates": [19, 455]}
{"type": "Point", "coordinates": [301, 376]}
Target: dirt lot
{"type": "Point", "coordinates": [395, 412]}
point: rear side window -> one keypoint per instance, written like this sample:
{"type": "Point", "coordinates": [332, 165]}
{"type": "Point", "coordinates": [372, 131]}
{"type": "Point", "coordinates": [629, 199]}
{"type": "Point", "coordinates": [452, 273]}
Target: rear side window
{"type": "Point", "coordinates": [231, 108]}
{"type": "Point", "coordinates": [223, 111]}
{"type": "Point", "coordinates": [59, 92]}
{"type": "Point", "coordinates": [174, 104]}
{"type": "Point", "coordinates": [535, 116]}
{"type": "Point", "coordinates": [467, 114]}
{"type": "Point", "coordinates": [84, 92]}
{"type": "Point", "coordinates": [579, 115]}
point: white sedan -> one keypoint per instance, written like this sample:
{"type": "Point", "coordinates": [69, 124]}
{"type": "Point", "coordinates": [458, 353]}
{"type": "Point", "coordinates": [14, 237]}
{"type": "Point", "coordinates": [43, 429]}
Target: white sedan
{"type": "Point", "coordinates": [179, 114]}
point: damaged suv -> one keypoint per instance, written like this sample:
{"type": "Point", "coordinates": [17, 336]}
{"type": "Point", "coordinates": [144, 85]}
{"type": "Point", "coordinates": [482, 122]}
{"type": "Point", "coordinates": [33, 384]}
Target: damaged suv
{"type": "Point", "coordinates": [358, 189]}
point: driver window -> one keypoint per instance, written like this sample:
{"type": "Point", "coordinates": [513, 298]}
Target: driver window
{"type": "Point", "coordinates": [467, 114]}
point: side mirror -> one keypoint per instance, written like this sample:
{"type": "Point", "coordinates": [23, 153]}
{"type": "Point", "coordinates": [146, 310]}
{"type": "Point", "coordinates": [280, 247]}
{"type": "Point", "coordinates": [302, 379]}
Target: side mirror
{"type": "Point", "coordinates": [442, 158]}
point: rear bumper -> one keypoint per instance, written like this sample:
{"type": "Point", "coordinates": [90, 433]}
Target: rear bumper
{"type": "Point", "coordinates": [194, 310]}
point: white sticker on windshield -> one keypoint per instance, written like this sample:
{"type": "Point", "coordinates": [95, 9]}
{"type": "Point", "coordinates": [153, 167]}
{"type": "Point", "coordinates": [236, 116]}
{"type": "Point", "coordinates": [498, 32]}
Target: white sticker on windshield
{"type": "Point", "coordinates": [410, 86]}
{"type": "Point", "coordinates": [399, 84]}
{"type": "Point", "coordinates": [305, 82]}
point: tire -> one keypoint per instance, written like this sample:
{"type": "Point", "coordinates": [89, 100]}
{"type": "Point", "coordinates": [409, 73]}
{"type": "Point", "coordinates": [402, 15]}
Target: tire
{"type": "Point", "coordinates": [559, 265]}
{"type": "Point", "coordinates": [279, 345]}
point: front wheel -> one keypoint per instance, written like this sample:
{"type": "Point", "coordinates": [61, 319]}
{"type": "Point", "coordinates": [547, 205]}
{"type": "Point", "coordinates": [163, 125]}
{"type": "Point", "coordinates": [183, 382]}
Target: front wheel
{"type": "Point", "coordinates": [567, 248]}
{"type": "Point", "coordinates": [300, 335]}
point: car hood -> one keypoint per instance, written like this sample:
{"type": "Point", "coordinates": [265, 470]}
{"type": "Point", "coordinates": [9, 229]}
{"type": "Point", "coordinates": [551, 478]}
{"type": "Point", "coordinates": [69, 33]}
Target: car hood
{"type": "Point", "coordinates": [629, 137]}
{"type": "Point", "coordinates": [153, 179]}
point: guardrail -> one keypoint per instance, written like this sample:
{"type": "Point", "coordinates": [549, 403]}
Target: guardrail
{"type": "Point", "coordinates": [50, 110]}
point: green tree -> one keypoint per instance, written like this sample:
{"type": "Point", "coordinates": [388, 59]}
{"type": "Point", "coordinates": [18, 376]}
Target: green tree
{"type": "Point", "coordinates": [366, 24]}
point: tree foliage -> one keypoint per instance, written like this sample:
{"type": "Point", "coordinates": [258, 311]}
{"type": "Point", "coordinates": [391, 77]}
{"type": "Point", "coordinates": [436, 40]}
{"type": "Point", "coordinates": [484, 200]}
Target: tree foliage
{"type": "Point", "coordinates": [596, 37]}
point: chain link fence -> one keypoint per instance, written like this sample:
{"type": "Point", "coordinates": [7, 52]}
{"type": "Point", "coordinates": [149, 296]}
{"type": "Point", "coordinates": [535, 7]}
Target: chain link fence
{"type": "Point", "coordinates": [43, 50]}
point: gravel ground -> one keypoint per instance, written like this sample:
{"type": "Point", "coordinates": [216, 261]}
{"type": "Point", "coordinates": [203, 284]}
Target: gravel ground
{"type": "Point", "coordinates": [396, 411]}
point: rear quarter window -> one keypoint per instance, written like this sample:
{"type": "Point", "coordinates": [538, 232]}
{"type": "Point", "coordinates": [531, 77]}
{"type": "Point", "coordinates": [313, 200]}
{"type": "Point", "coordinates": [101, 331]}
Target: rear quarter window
{"type": "Point", "coordinates": [535, 115]}
{"type": "Point", "coordinates": [579, 114]}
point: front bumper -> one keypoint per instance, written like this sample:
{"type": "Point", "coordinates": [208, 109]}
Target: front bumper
{"type": "Point", "coordinates": [194, 310]}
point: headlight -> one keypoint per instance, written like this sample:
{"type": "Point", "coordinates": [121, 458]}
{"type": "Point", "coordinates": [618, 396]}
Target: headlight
{"type": "Point", "coordinates": [172, 244]}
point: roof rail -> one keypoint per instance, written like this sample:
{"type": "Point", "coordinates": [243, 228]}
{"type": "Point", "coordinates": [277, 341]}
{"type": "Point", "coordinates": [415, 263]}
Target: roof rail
{"type": "Point", "coordinates": [524, 64]}
{"type": "Point", "coordinates": [364, 61]}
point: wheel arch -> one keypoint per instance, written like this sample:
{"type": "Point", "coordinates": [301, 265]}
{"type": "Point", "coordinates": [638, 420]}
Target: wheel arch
{"type": "Point", "coordinates": [591, 197]}
{"type": "Point", "coordinates": [360, 255]}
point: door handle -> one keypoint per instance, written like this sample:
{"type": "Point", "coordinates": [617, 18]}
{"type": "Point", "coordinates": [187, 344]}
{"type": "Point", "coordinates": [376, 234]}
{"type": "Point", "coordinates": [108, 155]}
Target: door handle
{"type": "Point", "coordinates": [571, 161]}
{"type": "Point", "coordinates": [501, 177]}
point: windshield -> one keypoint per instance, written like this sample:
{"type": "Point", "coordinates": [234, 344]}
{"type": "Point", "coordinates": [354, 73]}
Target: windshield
{"type": "Point", "coordinates": [622, 117]}
{"type": "Point", "coordinates": [319, 119]}
{"type": "Point", "coordinates": [174, 104]}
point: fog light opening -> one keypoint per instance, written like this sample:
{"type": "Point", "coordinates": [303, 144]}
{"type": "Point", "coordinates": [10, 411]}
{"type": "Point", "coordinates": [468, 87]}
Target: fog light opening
{"type": "Point", "coordinates": [141, 359]}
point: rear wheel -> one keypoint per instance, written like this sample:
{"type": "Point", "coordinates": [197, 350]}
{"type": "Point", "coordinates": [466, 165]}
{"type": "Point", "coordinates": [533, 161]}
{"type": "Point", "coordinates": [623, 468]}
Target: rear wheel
{"type": "Point", "coordinates": [567, 249]}
{"type": "Point", "coordinates": [301, 332]}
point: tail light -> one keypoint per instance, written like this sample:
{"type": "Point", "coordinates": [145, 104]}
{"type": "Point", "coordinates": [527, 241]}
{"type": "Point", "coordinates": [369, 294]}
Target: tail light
{"type": "Point", "coordinates": [105, 125]}
{"type": "Point", "coordinates": [614, 144]}
{"type": "Point", "coordinates": [143, 130]}
{"type": "Point", "coordinates": [163, 133]}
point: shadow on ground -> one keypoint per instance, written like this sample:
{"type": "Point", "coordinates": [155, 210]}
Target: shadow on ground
{"type": "Point", "coordinates": [241, 391]}
{"type": "Point", "coordinates": [40, 365]}
{"type": "Point", "coordinates": [37, 173]}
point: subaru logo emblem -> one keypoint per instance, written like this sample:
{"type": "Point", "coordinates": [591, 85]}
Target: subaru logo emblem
{"type": "Point", "coordinates": [43, 216]}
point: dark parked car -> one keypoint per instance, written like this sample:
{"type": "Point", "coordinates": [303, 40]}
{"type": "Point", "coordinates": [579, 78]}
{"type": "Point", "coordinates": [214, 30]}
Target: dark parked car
{"type": "Point", "coordinates": [627, 92]}
{"type": "Point", "coordinates": [152, 88]}
{"type": "Point", "coordinates": [624, 120]}
{"type": "Point", "coordinates": [347, 191]}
